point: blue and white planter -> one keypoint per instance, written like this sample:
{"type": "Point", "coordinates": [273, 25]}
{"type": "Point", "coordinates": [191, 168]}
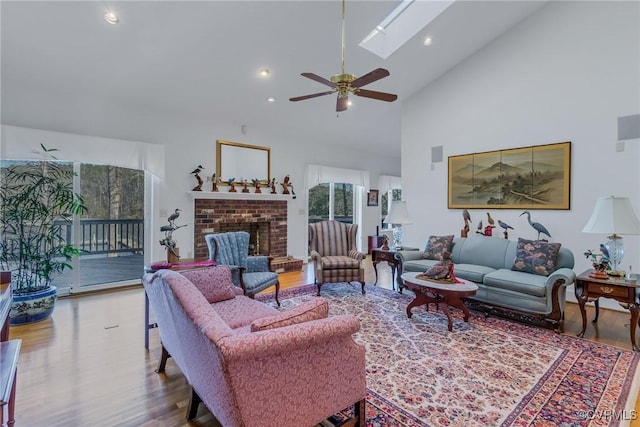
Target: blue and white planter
{"type": "Point", "coordinates": [32, 307]}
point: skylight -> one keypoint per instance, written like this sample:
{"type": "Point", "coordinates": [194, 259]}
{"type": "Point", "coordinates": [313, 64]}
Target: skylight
{"type": "Point", "coordinates": [401, 24]}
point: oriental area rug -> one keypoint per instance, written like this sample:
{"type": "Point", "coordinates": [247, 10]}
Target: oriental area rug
{"type": "Point", "coordinates": [487, 372]}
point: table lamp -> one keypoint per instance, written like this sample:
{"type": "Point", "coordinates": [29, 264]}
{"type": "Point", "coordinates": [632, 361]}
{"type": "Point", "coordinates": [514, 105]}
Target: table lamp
{"type": "Point", "coordinates": [616, 216]}
{"type": "Point", "coordinates": [398, 215]}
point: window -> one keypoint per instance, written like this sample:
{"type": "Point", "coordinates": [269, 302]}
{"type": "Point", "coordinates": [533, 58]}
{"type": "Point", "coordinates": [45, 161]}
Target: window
{"type": "Point", "coordinates": [331, 201]}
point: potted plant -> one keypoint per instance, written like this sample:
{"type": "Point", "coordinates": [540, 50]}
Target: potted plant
{"type": "Point", "coordinates": [34, 195]}
{"type": "Point", "coordinates": [601, 264]}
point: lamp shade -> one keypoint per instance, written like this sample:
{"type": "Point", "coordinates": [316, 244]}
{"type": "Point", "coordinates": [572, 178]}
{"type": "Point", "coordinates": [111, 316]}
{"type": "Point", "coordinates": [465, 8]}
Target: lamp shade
{"type": "Point", "coordinates": [613, 215]}
{"type": "Point", "coordinates": [398, 214]}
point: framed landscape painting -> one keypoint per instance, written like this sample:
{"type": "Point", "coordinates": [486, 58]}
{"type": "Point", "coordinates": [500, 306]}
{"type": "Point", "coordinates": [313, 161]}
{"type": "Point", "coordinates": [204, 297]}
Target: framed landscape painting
{"type": "Point", "coordinates": [536, 177]}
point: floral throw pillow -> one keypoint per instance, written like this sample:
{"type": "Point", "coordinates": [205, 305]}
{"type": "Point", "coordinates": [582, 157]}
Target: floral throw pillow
{"type": "Point", "coordinates": [437, 246]}
{"type": "Point", "coordinates": [536, 257]}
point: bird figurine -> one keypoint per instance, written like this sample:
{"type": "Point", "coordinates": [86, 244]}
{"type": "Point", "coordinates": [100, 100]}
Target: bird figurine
{"type": "Point", "coordinates": [467, 219]}
{"type": "Point", "coordinates": [172, 218]}
{"type": "Point", "coordinates": [479, 227]}
{"type": "Point", "coordinates": [506, 227]}
{"type": "Point", "coordinates": [440, 270]}
{"type": "Point", "coordinates": [490, 220]}
{"type": "Point", "coordinates": [604, 250]}
{"type": "Point", "coordinates": [536, 225]}
{"type": "Point", "coordinates": [285, 185]}
{"type": "Point", "coordinates": [232, 184]}
{"type": "Point", "coordinates": [466, 216]}
{"type": "Point", "coordinates": [196, 173]}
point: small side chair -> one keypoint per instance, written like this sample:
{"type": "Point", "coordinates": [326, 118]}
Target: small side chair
{"type": "Point", "coordinates": [252, 273]}
{"type": "Point", "coordinates": [332, 245]}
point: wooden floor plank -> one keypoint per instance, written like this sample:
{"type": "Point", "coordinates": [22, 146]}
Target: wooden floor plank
{"type": "Point", "coordinates": [87, 364]}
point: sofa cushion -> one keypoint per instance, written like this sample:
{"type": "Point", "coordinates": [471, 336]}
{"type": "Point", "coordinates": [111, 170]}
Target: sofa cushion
{"type": "Point", "coordinates": [524, 283]}
{"type": "Point", "coordinates": [536, 257]}
{"type": "Point", "coordinates": [437, 246]}
{"type": "Point", "coordinates": [214, 282]}
{"type": "Point", "coordinates": [317, 308]}
{"type": "Point", "coordinates": [482, 250]}
{"type": "Point", "coordinates": [242, 310]}
{"type": "Point", "coordinates": [472, 272]}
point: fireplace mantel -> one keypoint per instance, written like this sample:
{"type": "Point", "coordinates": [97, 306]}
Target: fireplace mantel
{"type": "Point", "coordinates": [225, 195]}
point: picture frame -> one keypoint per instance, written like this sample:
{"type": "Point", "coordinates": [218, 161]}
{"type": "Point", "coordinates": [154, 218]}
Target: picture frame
{"type": "Point", "coordinates": [534, 177]}
{"type": "Point", "coordinates": [372, 198]}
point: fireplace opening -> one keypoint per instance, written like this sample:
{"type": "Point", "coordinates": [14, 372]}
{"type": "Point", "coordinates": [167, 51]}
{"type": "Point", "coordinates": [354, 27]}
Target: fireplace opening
{"type": "Point", "coordinates": [258, 235]}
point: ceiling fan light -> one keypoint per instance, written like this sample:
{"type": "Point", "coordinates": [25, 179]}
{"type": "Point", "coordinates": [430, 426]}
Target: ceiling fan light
{"type": "Point", "coordinates": [111, 18]}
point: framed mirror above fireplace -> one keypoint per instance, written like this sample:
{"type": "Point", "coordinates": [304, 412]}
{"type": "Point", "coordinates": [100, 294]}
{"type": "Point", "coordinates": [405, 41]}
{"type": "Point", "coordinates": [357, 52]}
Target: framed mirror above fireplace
{"type": "Point", "coordinates": [242, 162]}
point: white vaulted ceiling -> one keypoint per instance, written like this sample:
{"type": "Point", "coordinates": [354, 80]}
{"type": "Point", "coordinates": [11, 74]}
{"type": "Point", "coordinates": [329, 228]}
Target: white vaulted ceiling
{"type": "Point", "coordinates": [202, 58]}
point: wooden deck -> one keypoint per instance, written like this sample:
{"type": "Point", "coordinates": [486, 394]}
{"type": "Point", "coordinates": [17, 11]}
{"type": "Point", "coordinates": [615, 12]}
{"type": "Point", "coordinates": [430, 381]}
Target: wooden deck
{"type": "Point", "coordinates": [104, 269]}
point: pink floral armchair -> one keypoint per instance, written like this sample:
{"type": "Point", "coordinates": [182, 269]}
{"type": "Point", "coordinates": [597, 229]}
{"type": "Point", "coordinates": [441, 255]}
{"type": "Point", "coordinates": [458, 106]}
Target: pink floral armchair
{"type": "Point", "coordinates": [251, 364]}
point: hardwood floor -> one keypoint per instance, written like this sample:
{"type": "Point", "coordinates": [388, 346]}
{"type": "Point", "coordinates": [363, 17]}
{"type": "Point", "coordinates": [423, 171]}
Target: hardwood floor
{"type": "Point", "coordinates": [87, 366]}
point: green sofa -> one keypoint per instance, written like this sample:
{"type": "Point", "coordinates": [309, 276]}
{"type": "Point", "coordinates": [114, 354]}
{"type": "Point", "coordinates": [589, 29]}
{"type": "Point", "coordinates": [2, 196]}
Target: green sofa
{"type": "Point", "coordinates": [487, 261]}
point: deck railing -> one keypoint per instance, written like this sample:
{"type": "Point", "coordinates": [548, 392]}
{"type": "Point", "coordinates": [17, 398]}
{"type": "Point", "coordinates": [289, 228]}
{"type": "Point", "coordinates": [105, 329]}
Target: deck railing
{"type": "Point", "coordinates": [102, 236]}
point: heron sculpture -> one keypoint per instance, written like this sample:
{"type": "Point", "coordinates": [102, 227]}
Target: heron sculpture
{"type": "Point", "coordinates": [172, 218]}
{"type": "Point", "coordinates": [536, 225]}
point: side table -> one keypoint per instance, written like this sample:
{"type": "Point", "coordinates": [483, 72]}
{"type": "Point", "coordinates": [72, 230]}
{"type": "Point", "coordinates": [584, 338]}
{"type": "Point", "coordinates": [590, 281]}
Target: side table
{"type": "Point", "coordinates": [388, 256]}
{"type": "Point", "coordinates": [626, 292]}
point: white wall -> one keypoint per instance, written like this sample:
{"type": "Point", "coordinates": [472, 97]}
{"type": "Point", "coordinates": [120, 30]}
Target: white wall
{"type": "Point", "coordinates": [564, 74]}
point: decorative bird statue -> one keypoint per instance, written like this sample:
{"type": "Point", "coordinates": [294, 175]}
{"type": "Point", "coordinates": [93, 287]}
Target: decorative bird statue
{"type": "Point", "coordinates": [536, 225]}
{"type": "Point", "coordinates": [604, 250]}
{"type": "Point", "coordinates": [466, 216]}
{"type": "Point", "coordinates": [441, 270]}
{"type": "Point", "coordinates": [479, 227]}
{"type": "Point", "coordinates": [506, 227]}
{"type": "Point", "coordinates": [196, 172]}
{"type": "Point", "coordinates": [467, 219]}
{"type": "Point", "coordinates": [490, 220]}
{"type": "Point", "coordinates": [172, 218]}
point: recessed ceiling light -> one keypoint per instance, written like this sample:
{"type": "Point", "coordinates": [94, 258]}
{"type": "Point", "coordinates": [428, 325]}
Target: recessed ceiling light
{"type": "Point", "coordinates": [111, 18]}
{"type": "Point", "coordinates": [428, 41]}
{"type": "Point", "coordinates": [271, 99]}
{"type": "Point", "coordinates": [349, 103]}
{"type": "Point", "coordinates": [264, 72]}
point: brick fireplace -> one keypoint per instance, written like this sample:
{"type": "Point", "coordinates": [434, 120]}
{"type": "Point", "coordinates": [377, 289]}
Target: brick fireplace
{"type": "Point", "coordinates": [265, 219]}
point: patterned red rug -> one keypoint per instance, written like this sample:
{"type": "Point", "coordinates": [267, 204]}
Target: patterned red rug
{"type": "Point", "coordinates": [487, 372]}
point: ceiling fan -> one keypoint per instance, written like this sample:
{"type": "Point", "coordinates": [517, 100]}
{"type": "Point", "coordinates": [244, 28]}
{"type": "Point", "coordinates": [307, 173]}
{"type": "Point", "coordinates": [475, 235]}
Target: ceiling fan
{"type": "Point", "coordinates": [343, 84]}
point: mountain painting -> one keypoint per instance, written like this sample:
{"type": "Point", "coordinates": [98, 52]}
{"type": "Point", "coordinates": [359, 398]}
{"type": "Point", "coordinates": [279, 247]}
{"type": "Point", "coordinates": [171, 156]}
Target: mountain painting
{"type": "Point", "coordinates": [536, 177]}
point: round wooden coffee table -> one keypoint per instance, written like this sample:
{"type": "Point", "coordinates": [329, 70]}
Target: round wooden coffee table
{"type": "Point", "coordinates": [450, 294]}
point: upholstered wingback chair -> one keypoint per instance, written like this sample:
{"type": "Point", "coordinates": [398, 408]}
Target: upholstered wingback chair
{"type": "Point", "coordinates": [332, 245]}
{"type": "Point", "coordinates": [252, 273]}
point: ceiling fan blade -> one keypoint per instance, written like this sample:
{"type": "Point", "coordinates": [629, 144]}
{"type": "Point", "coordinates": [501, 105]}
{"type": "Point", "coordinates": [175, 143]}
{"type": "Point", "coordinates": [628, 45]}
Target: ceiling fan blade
{"type": "Point", "coordinates": [342, 103]}
{"type": "Point", "coordinates": [313, 95]}
{"type": "Point", "coordinates": [319, 79]}
{"type": "Point", "coordinates": [371, 77]}
{"type": "Point", "coordinates": [381, 96]}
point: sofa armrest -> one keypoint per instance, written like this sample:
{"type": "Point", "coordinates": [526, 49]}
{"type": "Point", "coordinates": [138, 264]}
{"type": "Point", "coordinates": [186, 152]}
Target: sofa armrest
{"type": "Point", "coordinates": [566, 274]}
{"type": "Point", "coordinates": [281, 341]}
{"type": "Point", "coordinates": [403, 256]}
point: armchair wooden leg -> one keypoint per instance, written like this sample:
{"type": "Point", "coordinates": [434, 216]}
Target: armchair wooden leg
{"type": "Point", "coordinates": [318, 285]}
{"type": "Point", "coordinates": [163, 360]}
{"type": "Point", "coordinates": [362, 284]}
{"type": "Point", "coordinates": [277, 291]}
{"type": "Point", "coordinates": [359, 413]}
{"type": "Point", "coordinates": [194, 401]}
